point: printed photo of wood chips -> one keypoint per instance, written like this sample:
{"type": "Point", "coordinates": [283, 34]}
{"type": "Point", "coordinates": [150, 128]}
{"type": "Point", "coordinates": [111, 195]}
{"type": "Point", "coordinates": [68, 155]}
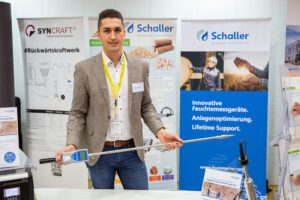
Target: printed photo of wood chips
{"type": "Point", "coordinates": [8, 127]}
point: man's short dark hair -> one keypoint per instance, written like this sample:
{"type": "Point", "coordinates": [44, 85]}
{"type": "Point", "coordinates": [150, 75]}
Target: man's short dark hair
{"type": "Point", "coordinates": [109, 13]}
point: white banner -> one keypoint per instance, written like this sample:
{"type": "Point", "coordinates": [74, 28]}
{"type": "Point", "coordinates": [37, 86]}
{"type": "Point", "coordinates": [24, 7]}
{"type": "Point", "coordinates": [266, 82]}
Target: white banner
{"type": "Point", "coordinates": [225, 35]}
{"type": "Point", "coordinates": [51, 47]}
{"type": "Point", "coordinates": [153, 40]}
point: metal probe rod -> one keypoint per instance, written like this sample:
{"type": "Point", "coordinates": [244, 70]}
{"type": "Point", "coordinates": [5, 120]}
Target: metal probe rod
{"type": "Point", "coordinates": [50, 160]}
{"type": "Point", "coordinates": [159, 145]}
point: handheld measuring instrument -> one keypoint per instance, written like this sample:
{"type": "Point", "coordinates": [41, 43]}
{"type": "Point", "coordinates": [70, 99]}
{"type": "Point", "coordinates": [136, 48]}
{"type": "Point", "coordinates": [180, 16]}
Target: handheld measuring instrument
{"type": "Point", "coordinates": [82, 155]}
{"type": "Point", "coordinates": [77, 156]}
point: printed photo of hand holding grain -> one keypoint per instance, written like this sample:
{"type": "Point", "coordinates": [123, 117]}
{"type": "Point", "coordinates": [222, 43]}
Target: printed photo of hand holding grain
{"type": "Point", "coordinates": [246, 71]}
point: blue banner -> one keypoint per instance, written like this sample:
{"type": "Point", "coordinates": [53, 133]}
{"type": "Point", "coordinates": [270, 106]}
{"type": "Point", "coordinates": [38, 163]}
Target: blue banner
{"type": "Point", "coordinates": [206, 114]}
{"type": "Point", "coordinates": [224, 90]}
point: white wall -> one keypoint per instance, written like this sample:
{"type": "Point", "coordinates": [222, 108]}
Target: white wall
{"type": "Point", "coordinates": [293, 14]}
{"type": "Point", "coordinates": [186, 9]}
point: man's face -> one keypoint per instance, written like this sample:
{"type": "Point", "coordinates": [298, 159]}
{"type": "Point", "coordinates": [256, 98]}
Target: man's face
{"type": "Point", "coordinates": [111, 33]}
{"type": "Point", "coordinates": [211, 64]}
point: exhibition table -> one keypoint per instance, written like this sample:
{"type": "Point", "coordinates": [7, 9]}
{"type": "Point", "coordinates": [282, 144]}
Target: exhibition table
{"type": "Point", "coordinates": [91, 194]}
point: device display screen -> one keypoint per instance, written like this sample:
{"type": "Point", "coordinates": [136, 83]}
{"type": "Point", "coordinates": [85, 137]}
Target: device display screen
{"type": "Point", "coordinates": [10, 192]}
{"type": "Point", "coordinates": [82, 155]}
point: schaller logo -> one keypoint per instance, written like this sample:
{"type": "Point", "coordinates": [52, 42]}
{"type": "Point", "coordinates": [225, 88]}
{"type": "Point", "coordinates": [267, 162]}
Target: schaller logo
{"type": "Point", "coordinates": [29, 30]}
{"type": "Point", "coordinates": [218, 36]}
{"type": "Point", "coordinates": [148, 28]}
{"type": "Point", "coordinates": [129, 27]}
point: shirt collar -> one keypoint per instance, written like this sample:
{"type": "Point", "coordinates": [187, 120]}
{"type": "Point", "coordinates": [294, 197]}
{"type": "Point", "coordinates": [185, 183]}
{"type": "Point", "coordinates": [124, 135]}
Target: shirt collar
{"type": "Point", "coordinates": [109, 62]}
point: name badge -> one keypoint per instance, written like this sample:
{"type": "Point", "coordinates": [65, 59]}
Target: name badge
{"type": "Point", "coordinates": [116, 129]}
{"type": "Point", "coordinates": [137, 87]}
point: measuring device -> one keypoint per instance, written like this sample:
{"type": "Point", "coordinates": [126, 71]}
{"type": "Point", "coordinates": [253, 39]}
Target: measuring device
{"type": "Point", "coordinates": [82, 155]}
{"type": "Point", "coordinates": [78, 156]}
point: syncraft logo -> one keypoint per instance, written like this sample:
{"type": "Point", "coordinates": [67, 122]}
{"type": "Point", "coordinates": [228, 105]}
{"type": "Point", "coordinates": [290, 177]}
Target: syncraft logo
{"type": "Point", "coordinates": [29, 30]}
{"type": "Point", "coordinates": [50, 31]}
{"type": "Point", "coordinates": [129, 27]}
{"type": "Point", "coordinates": [203, 35]}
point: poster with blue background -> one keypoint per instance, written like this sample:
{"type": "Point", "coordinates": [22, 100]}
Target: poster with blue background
{"type": "Point", "coordinates": [224, 90]}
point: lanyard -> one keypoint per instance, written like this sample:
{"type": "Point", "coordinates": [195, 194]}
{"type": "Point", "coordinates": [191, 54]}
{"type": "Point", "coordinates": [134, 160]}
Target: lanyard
{"type": "Point", "coordinates": [115, 89]}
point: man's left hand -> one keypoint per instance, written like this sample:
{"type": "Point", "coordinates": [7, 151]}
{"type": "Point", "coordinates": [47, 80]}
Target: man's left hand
{"type": "Point", "coordinates": [165, 137]}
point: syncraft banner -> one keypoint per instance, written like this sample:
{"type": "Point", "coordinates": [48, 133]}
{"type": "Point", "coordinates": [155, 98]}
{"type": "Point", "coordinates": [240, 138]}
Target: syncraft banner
{"type": "Point", "coordinates": [223, 90]}
{"type": "Point", "coordinates": [51, 47]}
{"type": "Point", "coordinates": [153, 40]}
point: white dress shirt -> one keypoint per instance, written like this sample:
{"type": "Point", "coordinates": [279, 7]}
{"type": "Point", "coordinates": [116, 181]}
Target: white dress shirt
{"type": "Point", "coordinates": [122, 107]}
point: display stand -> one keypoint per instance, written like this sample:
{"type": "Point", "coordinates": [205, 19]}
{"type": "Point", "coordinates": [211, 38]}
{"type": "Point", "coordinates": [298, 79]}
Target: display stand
{"type": "Point", "coordinates": [282, 135]}
{"type": "Point", "coordinates": [284, 138]}
{"type": "Point", "coordinates": [17, 182]}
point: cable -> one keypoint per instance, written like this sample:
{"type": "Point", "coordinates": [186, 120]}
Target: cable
{"type": "Point", "coordinates": [237, 196]}
{"type": "Point", "coordinates": [166, 112]}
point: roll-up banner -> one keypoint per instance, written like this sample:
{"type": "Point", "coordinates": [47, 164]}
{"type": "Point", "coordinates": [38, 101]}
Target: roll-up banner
{"type": "Point", "coordinates": [153, 40]}
{"type": "Point", "coordinates": [291, 94]}
{"type": "Point", "coordinates": [51, 47]}
{"type": "Point", "coordinates": [224, 90]}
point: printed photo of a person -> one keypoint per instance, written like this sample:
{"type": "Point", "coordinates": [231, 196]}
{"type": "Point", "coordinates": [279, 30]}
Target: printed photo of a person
{"type": "Point", "coordinates": [210, 79]}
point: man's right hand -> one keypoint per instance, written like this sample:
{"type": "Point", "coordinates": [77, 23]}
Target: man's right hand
{"type": "Point", "coordinates": [58, 155]}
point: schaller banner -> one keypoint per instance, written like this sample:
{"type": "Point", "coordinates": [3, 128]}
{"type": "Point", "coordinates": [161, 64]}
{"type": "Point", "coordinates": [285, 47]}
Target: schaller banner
{"type": "Point", "coordinates": [51, 47]}
{"type": "Point", "coordinates": [153, 40]}
{"type": "Point", "coordinates": [224, 90]}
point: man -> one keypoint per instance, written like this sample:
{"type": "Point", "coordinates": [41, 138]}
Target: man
{"type": "Point", "coordinates": [111, 95]}
{"type": "Point", "coordinates": [210, 75]}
